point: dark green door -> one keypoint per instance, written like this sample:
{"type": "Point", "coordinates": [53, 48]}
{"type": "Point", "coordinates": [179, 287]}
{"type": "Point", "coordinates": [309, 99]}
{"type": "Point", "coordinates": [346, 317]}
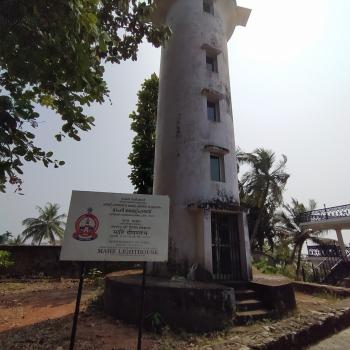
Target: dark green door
{"type": "Point", "coordinates": [225, 246]}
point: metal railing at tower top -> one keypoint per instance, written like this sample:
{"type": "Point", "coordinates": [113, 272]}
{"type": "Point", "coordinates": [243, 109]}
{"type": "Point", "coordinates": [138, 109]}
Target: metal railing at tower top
{"type": "Point", "coordinates": [342, 211]}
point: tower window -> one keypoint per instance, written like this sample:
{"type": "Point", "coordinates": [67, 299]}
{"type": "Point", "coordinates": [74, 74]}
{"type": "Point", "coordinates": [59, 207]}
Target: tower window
{"type": "Point", "coordinates": [208, 6]}
{"type": "Point", "coordinates": [213, 111]}
{"type": "Point", "coordinates": [217, 168]}
{"type": "Point", "coordinates": [212, 63]}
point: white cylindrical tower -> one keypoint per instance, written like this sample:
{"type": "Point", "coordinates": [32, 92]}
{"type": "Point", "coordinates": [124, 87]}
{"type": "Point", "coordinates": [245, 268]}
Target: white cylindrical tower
{"type": "Point", "coordinates": [195, 163]}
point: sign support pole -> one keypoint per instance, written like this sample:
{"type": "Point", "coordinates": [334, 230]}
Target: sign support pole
{"type": "Point", "coordinates": [142, 307]}
{"type": "Point", "coordinates": [77, 306]}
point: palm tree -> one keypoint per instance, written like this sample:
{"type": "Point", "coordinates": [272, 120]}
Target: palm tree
{"type": "Point", "coordinates": [289, 228]}
{"type": "Point", "coordinates": [263, 184]}
{"type": "Point", "coordinates": [18, 240]}
{"type": "Point", "coordinates": [9, 239]}
{"type": "Point", "coordinates": [5, 237]}
{"type": "Point", "coordinates": [47, 225]}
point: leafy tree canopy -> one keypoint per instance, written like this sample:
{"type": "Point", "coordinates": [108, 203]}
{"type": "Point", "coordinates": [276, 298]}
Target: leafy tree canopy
{"type": "Point", "coordinates": [52, 54]}
{"type": "Point", "coordinates": [289, 228]}
{"type": "Point", "coordinates": [48, 225]}
{"type": "Point", "coordinates": [261, 188]}
{"type": "Point", "coordinates": [143, 124]}
{"type": "Point", "coordinates": [9, 239]}
{"type": "Point", "coordinates": [5, 237]}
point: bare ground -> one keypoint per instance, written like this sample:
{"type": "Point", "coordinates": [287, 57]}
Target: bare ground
{"type": "Point", "coordinates": [38, 315]}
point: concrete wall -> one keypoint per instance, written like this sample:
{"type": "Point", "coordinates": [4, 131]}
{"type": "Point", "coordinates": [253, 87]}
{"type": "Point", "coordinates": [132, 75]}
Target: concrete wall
{"type": "Point", "coordinates": [43, 261]}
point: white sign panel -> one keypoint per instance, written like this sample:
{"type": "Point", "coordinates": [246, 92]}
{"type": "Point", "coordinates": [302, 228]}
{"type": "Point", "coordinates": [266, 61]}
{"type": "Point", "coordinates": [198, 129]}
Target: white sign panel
{"type": "Point", "coordinates": [116, 227]}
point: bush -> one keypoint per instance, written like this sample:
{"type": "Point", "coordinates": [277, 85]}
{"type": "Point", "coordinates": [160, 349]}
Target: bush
{"type": "Point", "coordinates": [6, 260]}
{"type": "Point", "coordinates": [264, 267]}
{"type": "Point", "coordinates": [95, 277]}
{"type": "Point", "coordinates": [155, 322]}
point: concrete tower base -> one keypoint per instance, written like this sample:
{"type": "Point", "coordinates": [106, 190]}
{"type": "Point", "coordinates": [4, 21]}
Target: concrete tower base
{"type": "Point", "coordinates": [197, 306]}
{"type": "Point", "coordinates": [188, 305]}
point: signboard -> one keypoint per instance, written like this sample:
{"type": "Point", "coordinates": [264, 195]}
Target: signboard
{"type": "Point", "coordinates": [116, 227]}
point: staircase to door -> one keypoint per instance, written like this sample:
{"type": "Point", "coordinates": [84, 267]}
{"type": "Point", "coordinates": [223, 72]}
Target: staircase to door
{"type": "Point", "coordinates": [249, 306]}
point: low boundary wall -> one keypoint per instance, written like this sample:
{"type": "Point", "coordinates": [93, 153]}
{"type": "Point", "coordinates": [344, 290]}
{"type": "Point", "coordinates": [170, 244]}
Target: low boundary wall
{"type": "Point", "coordinates": [313, 288]}
{"type": "Point", "coordinates": [43, 261]}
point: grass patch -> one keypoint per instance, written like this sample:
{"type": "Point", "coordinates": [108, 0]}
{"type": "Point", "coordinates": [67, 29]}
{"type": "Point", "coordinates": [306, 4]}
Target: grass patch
{"type": "Point", "coordinates": [329, 296]}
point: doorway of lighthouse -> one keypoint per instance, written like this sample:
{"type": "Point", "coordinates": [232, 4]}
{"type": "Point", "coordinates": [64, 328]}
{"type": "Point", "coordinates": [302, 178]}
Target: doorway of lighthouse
{"type": "Point", "coordinates": [225, 247]}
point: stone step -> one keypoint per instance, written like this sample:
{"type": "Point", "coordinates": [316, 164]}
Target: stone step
{"type": "Point", "coordinates": [244, 317]}
{"type": "Point", "coordinates": [237, 284]}
{"type": "Point", "coordinates": [345, 282]}
{"type": "Point", "coordinates": [245, 294]}
{"type": "Point", "coordinates": [249, 304]}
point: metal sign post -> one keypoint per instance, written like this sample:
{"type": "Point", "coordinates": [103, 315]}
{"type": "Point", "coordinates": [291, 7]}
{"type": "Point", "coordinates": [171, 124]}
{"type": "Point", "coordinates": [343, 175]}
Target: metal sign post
{"type": "Point", "coordinates": [77, 306]}
{"type": "Point", "coordinates": [115, 227]}
{"type": "Point", "coordinates": [142, 307]}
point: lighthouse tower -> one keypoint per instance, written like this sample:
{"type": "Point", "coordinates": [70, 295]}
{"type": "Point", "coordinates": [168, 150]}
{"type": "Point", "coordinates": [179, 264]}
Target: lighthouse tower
{"type": "Point", "coordinates": [195, 163]}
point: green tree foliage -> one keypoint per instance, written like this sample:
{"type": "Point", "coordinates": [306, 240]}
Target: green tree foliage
{"type": "Point", "coordinates": [48, 225]}
{"type": "Point", "coordinates": [6, 260]}
{"type": "Point", "coordinates": [52, 54]}
{"type": "Point", "coordinates": [16, 240]}
{"type": "Point", "coordinates": [261, 190]}
{"type": "Point", "coordinates": [266, 232]}
{"type": "Point", "coordinates": [289, 228]}
{"type": "Point", "coordinates": [5, 237]}
{"type": "Point", "coordinates": [143, 124]}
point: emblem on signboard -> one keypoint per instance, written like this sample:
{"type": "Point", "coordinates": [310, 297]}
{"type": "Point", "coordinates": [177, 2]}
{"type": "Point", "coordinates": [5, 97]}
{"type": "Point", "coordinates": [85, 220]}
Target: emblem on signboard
{"type": "Point", "coordinates": [86, 227]}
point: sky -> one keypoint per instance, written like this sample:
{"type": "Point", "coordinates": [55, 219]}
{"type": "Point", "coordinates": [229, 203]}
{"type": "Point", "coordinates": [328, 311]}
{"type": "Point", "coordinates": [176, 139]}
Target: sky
{"type": "Point", "coordinates": [290, 76]}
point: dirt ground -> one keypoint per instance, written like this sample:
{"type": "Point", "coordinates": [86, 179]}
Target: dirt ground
{"type": "Point", "coordinates": [38, 315]}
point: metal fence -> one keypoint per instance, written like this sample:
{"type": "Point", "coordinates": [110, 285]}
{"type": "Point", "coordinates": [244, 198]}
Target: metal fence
{"type": "Point", "coordinates": [325, 251]}
{"type": "Point", "coordinates": [341, 211]}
